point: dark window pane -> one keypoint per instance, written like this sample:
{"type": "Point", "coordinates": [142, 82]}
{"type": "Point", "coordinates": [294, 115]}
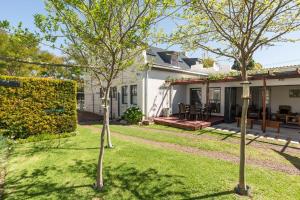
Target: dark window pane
{"type": "Point", "coordinates": [215, 99]}
{"type": "Point", "coordinates": [124, 95]}
{"type": "Point", "coordinates": [133, 94]}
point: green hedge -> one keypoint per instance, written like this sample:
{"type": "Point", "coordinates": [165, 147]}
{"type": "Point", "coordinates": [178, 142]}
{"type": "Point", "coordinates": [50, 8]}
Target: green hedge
{"type": "Point", "coordinates": [38, 105]}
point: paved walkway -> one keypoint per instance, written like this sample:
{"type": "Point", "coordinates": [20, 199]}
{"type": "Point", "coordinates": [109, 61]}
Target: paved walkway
{"type": "Point", "coordinates": [287, 134]}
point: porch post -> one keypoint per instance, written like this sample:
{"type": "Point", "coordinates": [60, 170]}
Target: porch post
{"type": "Point", "coordinates": [171, 100]}
{"type": "Point", "coordinates": [207, 100]}
{"type": "Point", "coordinates": [207, 92]}
{"type": "Point", "coordinates": [264, 93]}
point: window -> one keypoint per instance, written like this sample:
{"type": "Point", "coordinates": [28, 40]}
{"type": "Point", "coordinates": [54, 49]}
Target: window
{"type": "Point", "coordinates": [113, 93]}
{"type": "Point", "coordinates": [124, 95]}
{"type": "Point", "coordinates": [215, 99]}
{"type": "Point", "coordinates": [195, 96]}
{"type": "Point", "coordinates": [133, 94]}
{"type": "Point", "coordinates": [101, 93]}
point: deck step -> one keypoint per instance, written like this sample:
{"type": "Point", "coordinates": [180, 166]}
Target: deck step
{"type": "Point", "coordinates": [183, 124]}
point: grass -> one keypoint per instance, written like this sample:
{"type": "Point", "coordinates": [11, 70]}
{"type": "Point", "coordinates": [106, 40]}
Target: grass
{"type": "Point", "coordinates": [66, 170]}
{"type": "Point", "coordinates": [42, 137]}
{"type": "Point", "coordinates": [202, 143]}
{"type": "Point", "coordinates": [4, 151]}
{"type": "Point", "coordinates": [218, 133]}
{"type": "Point", "coordinates": [214, 132]}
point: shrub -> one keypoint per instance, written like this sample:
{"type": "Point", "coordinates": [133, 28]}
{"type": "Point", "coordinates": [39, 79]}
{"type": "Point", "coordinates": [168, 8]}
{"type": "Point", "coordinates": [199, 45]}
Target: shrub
{"type": "Point", "coordinates": [133, 115]}
{"type": "Point", "coordinates": [43, 137]}
{"type": "Point", "coordinates": [38, 105]}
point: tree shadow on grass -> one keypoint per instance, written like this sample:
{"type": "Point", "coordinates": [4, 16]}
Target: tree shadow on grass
{"type": "Point", "coordinates": [212, 195]}
{"type": "Point", "coordinates": [294, 160]}
{"type": "Point", "coordinates": [121, 182]}
{"type": "Point", "coordinates": [38, 184]}
{"type": "Point", "coordinates": [136, 183]}
{"type": "Point", "coordinates": [142, 184]}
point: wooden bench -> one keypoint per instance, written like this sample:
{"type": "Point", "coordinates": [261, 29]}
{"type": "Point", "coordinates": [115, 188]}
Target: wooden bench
{"type": "Point", "coordinates": [272, 124]}
{"type": "Point", "coordinates": [249, 122]}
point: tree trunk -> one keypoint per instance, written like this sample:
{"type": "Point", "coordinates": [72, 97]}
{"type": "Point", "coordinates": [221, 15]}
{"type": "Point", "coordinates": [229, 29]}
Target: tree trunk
{"type": "Point", "coordinates": [109, 144]}
{"type": "Point", "coordinates": [99, 179]}
{"type": "Point", "coordinates": [242, 188]}
{"type": "Point", "coordinates": [105, 129]}
{"type": "Point", "coordinates": [106, 118]}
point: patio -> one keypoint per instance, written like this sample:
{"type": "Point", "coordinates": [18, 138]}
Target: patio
{"type": "Point", "coordinates": [188, 124]}
{"type": "Point", "coordinates": [288, 134]}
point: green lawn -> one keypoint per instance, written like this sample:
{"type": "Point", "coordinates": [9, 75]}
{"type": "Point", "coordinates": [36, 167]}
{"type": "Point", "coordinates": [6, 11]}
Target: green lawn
{"type": "Point", "coordinates": [3, 159]}
{"type": "Point", "coordinates": [217, 133]}
{"type": "Point", "coordinates": [213, 144]}
{"type": "Point", "coordinates": [65, 169]}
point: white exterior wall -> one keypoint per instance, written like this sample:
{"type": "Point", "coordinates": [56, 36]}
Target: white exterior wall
{"type": "Point", "coordinates": [158, 96]}
{"type": "Point", "coordinates": [92, 101]}
{"type": "Point", "coordinates": [280, 96]}
{"type": "Point", "coordinates": [279, 92]}
{"type": "Point", "coordinates": [131, 76]}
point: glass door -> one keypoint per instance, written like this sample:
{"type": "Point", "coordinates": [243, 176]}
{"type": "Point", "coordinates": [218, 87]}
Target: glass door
{"type": "Point", "coordinates": [196, 97]}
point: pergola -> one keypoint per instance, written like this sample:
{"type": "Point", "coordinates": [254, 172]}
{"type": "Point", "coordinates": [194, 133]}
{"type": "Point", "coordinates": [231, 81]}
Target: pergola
{"type": "Point", "coordinates": [264, 75]}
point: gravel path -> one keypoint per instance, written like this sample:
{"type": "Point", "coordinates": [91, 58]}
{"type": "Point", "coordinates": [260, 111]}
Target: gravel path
{"type": "Point", "coordinates": [290, 169]}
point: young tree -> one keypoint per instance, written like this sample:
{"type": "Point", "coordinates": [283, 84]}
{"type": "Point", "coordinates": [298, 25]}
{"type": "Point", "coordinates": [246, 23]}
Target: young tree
{"type": "Point", "coordinates": [104, 36]}
{"type": "Point", "coordinates": [236, 29]}
{"type": "Point", "coordinates": [19, 44]}
{"type": "Point", "coordinates": [20, 55]}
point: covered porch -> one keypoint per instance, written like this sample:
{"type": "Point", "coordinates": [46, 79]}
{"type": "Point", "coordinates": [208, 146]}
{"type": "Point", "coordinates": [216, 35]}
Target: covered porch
{"type": "Point", "coordinates": [274, 99]}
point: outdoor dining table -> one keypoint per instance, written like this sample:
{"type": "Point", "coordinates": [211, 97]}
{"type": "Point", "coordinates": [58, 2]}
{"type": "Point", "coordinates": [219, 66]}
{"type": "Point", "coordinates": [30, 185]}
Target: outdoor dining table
{"type": "Point", "coordinates": [200, 110]}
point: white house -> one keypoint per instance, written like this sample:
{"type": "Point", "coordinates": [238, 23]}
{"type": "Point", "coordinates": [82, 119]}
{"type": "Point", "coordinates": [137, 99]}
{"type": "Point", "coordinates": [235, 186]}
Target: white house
{"type": "Point", "coordinates": [174, 78]}
{"type": "Point", "coordinates": [146, 88]}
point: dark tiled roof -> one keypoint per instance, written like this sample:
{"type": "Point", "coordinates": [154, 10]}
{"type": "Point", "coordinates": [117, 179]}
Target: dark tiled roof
{"type": "Point", "coordinates": [163, 57]}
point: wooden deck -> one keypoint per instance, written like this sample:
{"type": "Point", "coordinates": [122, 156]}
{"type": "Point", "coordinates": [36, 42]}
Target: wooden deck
{"type": "Point", "coordinates": [188, 124]}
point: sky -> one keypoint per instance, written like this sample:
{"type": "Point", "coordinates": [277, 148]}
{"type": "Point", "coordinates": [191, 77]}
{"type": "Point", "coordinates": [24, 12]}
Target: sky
{"type": "Point", "coordinates": [16, 11]}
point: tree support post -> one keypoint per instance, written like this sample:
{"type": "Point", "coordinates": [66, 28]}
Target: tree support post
{"type": "Point", "coordinates": [242, 188]}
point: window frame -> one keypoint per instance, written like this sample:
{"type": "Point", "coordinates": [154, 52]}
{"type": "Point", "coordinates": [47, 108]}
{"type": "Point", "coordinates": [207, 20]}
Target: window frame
{"type": "Point", "coordinates": [133, 94]}
{"type": "Point", "coordinates": [113, 92]}
{"type": "Point", "coordinates": [101, 93]}
{"type": "Point", "coordinates": [216, 101]}
{"type": "Point", "coordinates": [124, 91]}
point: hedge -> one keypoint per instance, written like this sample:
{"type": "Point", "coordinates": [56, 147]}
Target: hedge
{"type": "Point", "coordinates": [30, 106]}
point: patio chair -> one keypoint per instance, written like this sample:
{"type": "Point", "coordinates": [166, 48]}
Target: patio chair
{"type": "Point", "coordinates": [182, 111]}
{"type": "Point", "coordinates": [283, 111]}
{"type": "Point", "coordinates": [207, 111]}
{"type": "Point", "coordinates": [199, 110]}
{"type": "Point", "coordinates": [253, 112]}
{"type": "Point", "coordinates": [193, 112]}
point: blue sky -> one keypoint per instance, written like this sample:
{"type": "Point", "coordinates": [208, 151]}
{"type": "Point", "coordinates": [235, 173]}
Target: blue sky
{"type": "Point", "coordinates": [23, 10]}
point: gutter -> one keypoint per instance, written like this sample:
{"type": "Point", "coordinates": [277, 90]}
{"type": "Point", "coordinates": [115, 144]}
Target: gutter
{"type": "Point", "coordinates": [167, 68]}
